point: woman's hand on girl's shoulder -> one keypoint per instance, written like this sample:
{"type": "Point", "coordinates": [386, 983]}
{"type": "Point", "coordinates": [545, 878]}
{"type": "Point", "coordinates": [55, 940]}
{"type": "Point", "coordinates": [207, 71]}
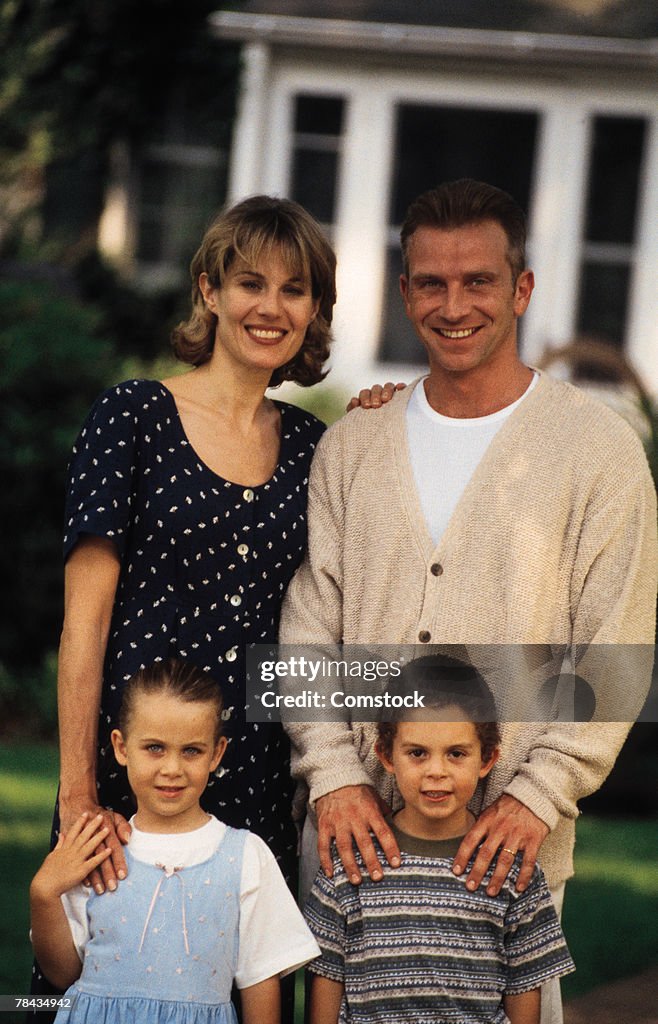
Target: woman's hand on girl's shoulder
{"type": "Point", "coordinates": [77, 853]}
{"type": "Point", "coordinates": [374, 397]}
{"type": "Point", "coordinates": [112, 869]}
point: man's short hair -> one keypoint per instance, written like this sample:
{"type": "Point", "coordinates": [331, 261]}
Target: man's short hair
{"type": "Point", "coordinates": [454, 204]}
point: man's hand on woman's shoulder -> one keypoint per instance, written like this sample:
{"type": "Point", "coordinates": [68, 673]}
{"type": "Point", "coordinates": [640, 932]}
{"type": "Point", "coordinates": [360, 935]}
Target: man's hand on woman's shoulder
{"type": "Point", "coordinates": [374, 397]}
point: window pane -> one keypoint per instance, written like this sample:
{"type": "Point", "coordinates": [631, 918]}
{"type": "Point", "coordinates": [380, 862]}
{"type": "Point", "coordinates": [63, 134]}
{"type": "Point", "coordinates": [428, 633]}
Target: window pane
{"type": "Point", "coordinates": [315, 158]}
{"type": "Point", "coordinates": [319, 115]}
{"type": "Point", "coordinates": [177, 204]}
{"type": "Point", "coordinates": [603, 300]}
{"type": "Point", "coordinates": [314, 177]}
{"type": "Point", "coordinates": [437, 144]}
{"type": "Point", "coordinates": [614, 176]}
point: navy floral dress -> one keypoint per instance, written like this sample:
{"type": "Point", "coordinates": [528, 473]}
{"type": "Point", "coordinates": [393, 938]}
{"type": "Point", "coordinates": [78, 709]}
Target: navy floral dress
{"type": "Point", "coordinates": [204, 567]}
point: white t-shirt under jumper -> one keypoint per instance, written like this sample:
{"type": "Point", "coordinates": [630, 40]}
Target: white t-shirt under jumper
{"type": "Point", "coordinates": [273, 936]}
{"type": "Point", "coordinates": [445, 452]}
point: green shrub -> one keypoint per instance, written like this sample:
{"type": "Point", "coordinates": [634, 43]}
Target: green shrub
{"type": "Point", "coordinates": [53, 363]}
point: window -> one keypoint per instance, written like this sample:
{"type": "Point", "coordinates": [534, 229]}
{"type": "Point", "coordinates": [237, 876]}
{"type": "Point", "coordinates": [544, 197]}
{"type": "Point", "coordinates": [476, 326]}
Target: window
{"type": "Point", "coordinates": [610, 224]}
{"type": "Point", "coordinates": [435, 144]}
{"type": "Point", "coordinates": [318, 130]}
{"type": "Point", "coordinates": [181, 187]}
{"type": "Point", "coordinates": [180, 183]}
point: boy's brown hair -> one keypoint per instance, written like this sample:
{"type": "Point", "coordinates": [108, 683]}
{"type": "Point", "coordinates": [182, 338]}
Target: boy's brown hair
{"type": "Point", "coordinates": [445, 682]}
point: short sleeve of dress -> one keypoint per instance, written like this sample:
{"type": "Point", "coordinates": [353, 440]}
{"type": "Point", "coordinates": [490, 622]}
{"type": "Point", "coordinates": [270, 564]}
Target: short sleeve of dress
{"type": "Point", "coordinates": [101, 472]}
{"type": "Point", "coordinates": [327, 922]}
{"type": "Point", "coordinates": [534, 941]}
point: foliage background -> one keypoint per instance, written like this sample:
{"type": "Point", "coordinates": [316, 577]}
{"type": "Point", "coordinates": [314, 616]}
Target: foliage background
{"type": "Point", "coordinates": [75, 77]}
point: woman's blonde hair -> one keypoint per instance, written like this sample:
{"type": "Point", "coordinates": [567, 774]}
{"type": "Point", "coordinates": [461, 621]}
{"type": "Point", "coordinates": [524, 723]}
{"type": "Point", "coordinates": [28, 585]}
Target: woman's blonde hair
{"type": "Point", "coordinates": [249, 231]}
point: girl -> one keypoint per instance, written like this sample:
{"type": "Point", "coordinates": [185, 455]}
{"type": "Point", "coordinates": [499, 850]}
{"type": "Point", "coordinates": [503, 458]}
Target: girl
{"type": "Point", "coordinates": [203, 904]}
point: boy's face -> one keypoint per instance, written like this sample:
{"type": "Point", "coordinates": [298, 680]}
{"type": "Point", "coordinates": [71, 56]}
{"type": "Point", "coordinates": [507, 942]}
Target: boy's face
{"type": "Point", "coordinates": [437, 766]}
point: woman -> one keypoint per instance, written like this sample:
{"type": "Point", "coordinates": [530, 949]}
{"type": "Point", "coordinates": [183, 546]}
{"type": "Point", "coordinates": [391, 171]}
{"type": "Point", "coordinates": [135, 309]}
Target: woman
{"type": "Point", "coordinates": [186, 516]}
{"type": "Point", "coordinates": [186, 519]}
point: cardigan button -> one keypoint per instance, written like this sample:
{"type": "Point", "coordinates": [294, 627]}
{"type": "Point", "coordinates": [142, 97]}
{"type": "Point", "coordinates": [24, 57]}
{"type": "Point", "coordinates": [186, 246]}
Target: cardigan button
{"type": "Point", "coordinates": [424, 636]}
{"type": "Point", "coordinates": [436, 569]}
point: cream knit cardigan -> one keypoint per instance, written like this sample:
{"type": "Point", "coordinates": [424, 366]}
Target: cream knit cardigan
{"type": "Point", "coordinates": [552, 542]}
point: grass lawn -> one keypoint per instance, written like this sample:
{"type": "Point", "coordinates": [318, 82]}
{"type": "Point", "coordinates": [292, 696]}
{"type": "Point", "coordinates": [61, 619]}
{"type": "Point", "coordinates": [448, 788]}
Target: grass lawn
{"type": "Point", "coordinates": [610, 913]}
{"type": "Point", "coordinates": [611, 906]}
{"type": "Point", "coordinates": [28, 782]}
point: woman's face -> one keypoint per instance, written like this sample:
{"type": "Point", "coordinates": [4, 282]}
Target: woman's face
{"type": "Point", "coordinates": [262, 313]}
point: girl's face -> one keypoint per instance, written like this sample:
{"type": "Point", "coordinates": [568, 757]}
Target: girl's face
{"type": "Point", "coordinates": [169, 751]}
{"type": "Point", "coordinates": [437, 766]}
{"type": "Point", "coordinates": [262, 313]}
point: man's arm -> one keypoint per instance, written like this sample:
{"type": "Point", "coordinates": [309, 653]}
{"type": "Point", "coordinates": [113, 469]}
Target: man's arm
{"type": "Point", "coordinates": [323, 753]}
{"type": "Point", "coordinates": [614, 601]}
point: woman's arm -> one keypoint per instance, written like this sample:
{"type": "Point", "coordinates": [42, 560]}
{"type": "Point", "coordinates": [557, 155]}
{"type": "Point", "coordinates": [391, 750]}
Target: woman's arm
{"type": "Point", "coordinates": [326, 997]}
{"type": "Point", "coordinates": [523, 1008]}
{"type": "Point", "coordinates": [261, 1003]}
{"type": "Point", "coordinates": [74, 857]}
{"type": "Point", "coordinates": [91, 577]}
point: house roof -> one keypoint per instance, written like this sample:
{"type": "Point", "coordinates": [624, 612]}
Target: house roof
{"type": "Point", "coordinates": [509, 31]}
{"type": "Point", "coordinates": [622, 19]}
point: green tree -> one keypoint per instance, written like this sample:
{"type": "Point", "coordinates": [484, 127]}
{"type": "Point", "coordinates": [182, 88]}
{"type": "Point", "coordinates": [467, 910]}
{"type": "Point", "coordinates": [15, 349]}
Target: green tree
{"type": "Point", "coordinates": [53, 363]}
{"type": "Point", "coordinates": [75, 75]}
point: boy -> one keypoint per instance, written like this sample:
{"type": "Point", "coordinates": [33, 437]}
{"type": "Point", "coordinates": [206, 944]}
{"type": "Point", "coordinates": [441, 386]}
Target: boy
{"type": "Point", "coordinates": [418, 945]}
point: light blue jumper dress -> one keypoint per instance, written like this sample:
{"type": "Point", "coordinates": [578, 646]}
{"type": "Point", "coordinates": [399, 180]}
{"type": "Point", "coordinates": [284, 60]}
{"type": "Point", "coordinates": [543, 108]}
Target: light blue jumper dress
{"type": "Point", "coordinates": [164, 945]}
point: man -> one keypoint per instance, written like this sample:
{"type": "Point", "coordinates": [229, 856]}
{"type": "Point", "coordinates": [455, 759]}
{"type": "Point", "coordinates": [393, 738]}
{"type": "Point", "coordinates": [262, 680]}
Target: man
{"type": "Point", "coordinates": [487, 504]}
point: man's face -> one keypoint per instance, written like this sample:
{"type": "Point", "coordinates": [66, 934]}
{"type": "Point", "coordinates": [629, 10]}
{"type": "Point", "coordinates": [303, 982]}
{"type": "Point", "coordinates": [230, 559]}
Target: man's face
{"type": "Point", "coordinates": [461, 298]}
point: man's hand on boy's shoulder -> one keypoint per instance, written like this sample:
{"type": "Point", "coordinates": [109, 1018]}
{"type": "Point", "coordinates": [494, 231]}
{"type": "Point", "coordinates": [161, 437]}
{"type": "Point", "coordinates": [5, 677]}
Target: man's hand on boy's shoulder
{"type": "Point", "coordinates": [506, 828]}
{"type": "Point", "coordinates": [349, 815]}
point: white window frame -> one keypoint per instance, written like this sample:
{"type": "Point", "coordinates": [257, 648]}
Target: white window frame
{"type": "Point", "coordinates": [565, 110]}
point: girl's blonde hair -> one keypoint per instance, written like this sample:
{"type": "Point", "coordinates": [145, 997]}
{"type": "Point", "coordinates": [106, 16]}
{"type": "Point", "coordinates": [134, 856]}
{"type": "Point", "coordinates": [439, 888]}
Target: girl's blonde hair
{"type": "Point", "coordinates": [249, 231]}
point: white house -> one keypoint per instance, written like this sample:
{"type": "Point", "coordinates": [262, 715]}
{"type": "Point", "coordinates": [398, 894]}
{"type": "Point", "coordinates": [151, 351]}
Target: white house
{"type": "Point", "coordinates": [353, 108]}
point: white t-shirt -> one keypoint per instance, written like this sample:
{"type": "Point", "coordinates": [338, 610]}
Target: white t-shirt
{"type": "Point", "coordinates": [273, 937]}
{"type": "Point", "coordinates": [445, 452]}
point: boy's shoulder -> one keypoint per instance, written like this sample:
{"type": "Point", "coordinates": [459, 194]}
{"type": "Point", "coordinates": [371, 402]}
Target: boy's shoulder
{"type": "Point", "coordinates": [430, 859]}
{"type": "Point", "coordinates": [426, 857]}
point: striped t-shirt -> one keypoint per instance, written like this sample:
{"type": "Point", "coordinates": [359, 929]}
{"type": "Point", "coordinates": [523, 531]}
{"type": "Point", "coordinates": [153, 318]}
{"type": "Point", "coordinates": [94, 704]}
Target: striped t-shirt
{"type": "Point", "coordinates": [419, 946]}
